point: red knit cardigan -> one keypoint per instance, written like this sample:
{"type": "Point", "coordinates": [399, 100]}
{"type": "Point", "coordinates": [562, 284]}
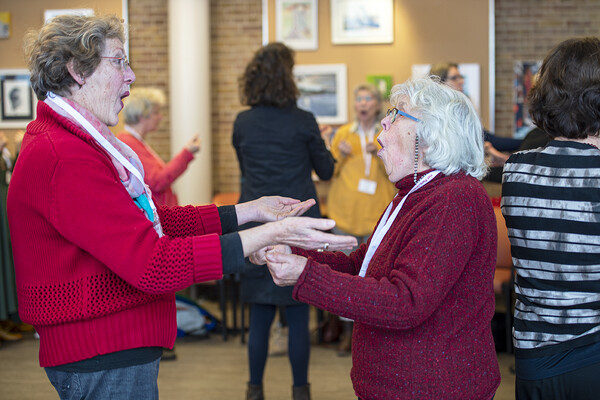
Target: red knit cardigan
{"type": "Point", "coordinates": [93, 277]}
{"type": "Point", "coordinates": [423, 312]}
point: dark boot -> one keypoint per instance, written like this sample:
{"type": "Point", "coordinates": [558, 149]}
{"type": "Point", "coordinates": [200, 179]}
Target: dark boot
{"type": "Point", "coordinates": [301, 392]}
{"type": "Point", "coordinates": [254, 392]}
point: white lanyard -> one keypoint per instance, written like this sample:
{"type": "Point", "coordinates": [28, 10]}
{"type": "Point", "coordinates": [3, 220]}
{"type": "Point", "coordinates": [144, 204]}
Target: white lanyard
{"type": "Point", "coordinates": [106, 145]}
{"type": "Point", "coordinates": [367, 156]}
{"type": "Point", "coordinates": [387, 221]}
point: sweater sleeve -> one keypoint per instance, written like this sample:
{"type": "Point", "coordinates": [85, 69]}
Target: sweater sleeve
{"type": "Point", "coordinates": [431, 254]}
{"type": "Point", "coordinates": [160, 178]}
{"type": "Point", "coordinates": [97, 215]}
{"type": "Point", "coordinates": [182, 221]}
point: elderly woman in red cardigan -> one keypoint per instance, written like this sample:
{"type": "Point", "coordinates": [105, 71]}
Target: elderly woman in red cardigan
{"type": "Point", "coordinates": [97, 263]}
{"type": "Point", "coordinates": [420, 290]}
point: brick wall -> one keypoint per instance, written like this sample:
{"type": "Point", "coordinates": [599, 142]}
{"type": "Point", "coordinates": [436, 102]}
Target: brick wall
{"type": "Point", "coordinates": [525, 31]}
{"type": "Point", "coordinates": [149, 54]}
{"type": "Point", "coordinates": [236, 32]}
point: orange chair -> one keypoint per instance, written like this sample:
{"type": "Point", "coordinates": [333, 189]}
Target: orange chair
{"type": "Point", "coordinates": [504, 274]}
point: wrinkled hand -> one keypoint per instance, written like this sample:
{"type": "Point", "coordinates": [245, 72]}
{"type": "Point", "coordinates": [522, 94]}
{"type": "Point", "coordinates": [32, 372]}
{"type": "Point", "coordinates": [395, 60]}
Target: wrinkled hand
{"type": "Point", "coordinates": [193, 146]}
{"type": "Point", "coordinates": [259, 257]}
{"type": "Point", "coordinates": [371, 148]}
{"type": "Point", "coordinates": [285, 268]}
{"type": "Point", "coordinates": [307, 233]}
{"type": "Point", "coordinates": [275, 208]}
{"type": "Point", "coordinates": [345, 148]}
{"type": "Point", "coordinates": [495, 157]}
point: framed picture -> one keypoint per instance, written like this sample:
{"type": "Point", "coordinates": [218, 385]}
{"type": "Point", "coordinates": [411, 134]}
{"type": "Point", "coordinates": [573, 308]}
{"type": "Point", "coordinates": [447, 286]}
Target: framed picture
{"type": "Point", "coordinates": [4, 25]}
{"type": "Point", "coordinates": [362, 21]}
{"type": "Point", "coordinates": [296, 23]}
{"type": "Point", "coordinates": [525, 72]}
{"type": "Point", "coordinates": [472, 74]}
{"type": "Point", "coordinates": [383, 83]}
{"type": "Point", "coordinates": [17, 108]}
{"type": "Point", "coordinates": [323, 91]}
{"type": "Point", "coordinates": [49, 14]}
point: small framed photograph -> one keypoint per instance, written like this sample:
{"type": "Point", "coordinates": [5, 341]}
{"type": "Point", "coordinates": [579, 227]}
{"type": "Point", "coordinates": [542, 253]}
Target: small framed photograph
{"type": "Point", "coordinates": [362, 21]}
{"type": "Point", "coordinates": [17, 108]}
{"type": "Point", "coordinates": [296, 24]}
{"type": "Point", "coordinates": [470, 71]}
{"type": "Point", "coordinates": [383, 83]}
{"type": "Point", "coordinates": [525, 72]}
{"type": "Point", "coordinates": [323, 91]}
{"type": "Point", "coordinates": [4, 25]}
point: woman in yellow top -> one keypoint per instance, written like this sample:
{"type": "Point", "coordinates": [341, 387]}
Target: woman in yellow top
{"type": "Point", "coordinates": [360, 190]}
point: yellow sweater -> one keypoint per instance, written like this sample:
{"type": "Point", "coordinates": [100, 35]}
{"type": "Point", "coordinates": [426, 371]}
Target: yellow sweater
{"type": "Point", "coordinates": [355, 212]}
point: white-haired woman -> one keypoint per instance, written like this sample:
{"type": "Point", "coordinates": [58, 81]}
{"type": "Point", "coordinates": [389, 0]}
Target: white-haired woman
{"type": "Point", "coordinates": [420, 290]}
{"type": "Point", "coordinates": [143, 113]}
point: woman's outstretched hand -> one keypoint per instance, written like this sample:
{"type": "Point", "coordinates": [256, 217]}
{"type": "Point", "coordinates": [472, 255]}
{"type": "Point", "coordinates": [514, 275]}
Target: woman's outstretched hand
{"type": "Point", "coordinates": [304, 232]}
{"type": "Point", "coordinates": [271, 208]}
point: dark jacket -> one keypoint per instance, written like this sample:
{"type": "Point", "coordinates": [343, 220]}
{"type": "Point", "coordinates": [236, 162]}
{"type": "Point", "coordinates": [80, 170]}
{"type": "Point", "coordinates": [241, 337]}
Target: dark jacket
{"type": "Point", "coordinates": [277, 149]}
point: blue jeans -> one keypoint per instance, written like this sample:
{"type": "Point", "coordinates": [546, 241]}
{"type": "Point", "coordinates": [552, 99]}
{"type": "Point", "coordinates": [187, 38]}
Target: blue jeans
{"type": "Point", "coordinates": [138, 382]}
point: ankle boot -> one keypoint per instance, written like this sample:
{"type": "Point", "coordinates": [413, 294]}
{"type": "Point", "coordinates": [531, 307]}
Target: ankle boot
{"type": "Point", "coordinates": [301, 392]}
{"type": "Point", "coordinates": [254, 392]}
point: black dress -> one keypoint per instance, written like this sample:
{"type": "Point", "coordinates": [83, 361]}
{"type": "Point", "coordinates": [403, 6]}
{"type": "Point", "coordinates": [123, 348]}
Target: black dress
{"type": "Point", "coordinates": [277, 150]}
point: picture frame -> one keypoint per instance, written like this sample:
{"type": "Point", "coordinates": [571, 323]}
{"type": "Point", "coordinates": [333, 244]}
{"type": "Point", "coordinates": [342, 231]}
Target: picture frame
{"type": "Point", "coordinates": [5, 27]}
{"type": "Point", "coordinates": [525, 72]}
{"type": "Point", "coordinates": [362, 21]}
{"type": "Point", "coordinates": [16, 98]}
{"type": "Point", "coordinates": [296, 24]}
{"type": "Point", "coordinates": [383, 83]}
{"type": "Point", "coordinates": [472, 74]}
{"type": "Point", "coordinates": [323, 91]}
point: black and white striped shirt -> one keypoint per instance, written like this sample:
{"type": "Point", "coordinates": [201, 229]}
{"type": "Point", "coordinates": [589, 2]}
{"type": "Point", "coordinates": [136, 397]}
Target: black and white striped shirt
{"type": "Point", "coordinates": [551, 203]}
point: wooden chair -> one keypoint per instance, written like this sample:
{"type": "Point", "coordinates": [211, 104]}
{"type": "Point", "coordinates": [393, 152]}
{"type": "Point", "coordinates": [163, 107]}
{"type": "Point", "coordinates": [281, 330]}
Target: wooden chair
{"type": "Point", "coordinates": [504, 274]}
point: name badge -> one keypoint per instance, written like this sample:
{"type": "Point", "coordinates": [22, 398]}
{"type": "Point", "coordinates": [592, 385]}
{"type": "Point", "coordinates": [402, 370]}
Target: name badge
{"type": "Point", "coordinates": [367, 186]}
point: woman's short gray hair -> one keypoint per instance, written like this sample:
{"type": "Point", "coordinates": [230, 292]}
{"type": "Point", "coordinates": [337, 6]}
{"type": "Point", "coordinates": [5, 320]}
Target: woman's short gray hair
{"type": "Point", "coordinates": [68, 37]}
{"type": "Point", "coordinates": [141, 103]}
{"type": "Point", "coordinates": [450, 130]}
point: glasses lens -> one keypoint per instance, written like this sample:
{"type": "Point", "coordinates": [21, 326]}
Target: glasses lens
{"type": "Point", "coordinates": [392, 114]}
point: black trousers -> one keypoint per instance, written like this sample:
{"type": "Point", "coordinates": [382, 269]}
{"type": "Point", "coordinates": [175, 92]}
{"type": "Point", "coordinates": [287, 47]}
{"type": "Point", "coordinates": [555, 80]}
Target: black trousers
{"type": "Point", "coordinates": [581, 384]}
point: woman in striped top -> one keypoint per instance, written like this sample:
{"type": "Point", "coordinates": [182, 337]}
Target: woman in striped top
{"type": "Point", "coordinates": [551, 202]}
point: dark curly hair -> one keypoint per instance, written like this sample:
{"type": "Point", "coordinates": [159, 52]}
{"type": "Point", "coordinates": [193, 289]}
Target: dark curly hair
{"type": "Point", "coordinates": [268, 79]}
{"type": "Point", "coordinates": [565, 100]}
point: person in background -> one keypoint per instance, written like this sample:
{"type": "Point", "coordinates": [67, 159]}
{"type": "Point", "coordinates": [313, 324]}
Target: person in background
{"type": "Point", "coordinates": [142, 114]}
{"type": "Point", "coordinates": [97, 264]}
{"type": "Point", "coordinates": [360, 189]}
{"type": "Point", "coordinates": [278, 146]}
{"type": "Point", "coordinates": [10, 326]}
{"type": "Point", "coordinates": [420, 290]}
{"type": "Point", "coordinates": [551, 203]}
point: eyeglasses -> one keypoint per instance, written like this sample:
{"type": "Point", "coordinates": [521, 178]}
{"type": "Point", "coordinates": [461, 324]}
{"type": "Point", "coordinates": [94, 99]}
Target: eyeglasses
{"type": "Point", "coordinates": [122, 62]}
{"type": "Point", "coordinates": [394, 112]}
{"type": "Point", "coordinates": [365, 98]}
{"type": "Point", "coordinates": [455, 78]}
